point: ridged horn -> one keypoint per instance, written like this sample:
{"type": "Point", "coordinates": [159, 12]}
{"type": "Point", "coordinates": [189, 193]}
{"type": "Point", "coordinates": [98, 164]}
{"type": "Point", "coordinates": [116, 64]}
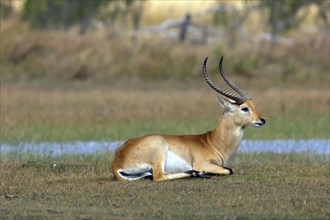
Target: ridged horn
{"type": "Point", "coordinates": [237, 98]}
{"type": "Point", "coordinates": [241, 92]}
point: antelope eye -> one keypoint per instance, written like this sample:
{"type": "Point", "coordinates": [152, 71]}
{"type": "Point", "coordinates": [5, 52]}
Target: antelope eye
{"type": "Point", "coordinates": [245, 109]}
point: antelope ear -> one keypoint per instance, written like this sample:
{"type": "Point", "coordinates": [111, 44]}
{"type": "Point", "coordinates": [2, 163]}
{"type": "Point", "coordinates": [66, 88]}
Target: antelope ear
{"type": "Point", "coordinates": [228, 105]}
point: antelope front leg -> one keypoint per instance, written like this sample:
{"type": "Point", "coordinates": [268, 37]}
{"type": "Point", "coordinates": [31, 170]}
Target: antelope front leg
{"type": "Point", "coordinates": [198, 174]}
{"type": "Point", "coordinates": [216, 169]}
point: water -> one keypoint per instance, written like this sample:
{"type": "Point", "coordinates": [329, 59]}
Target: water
{"type": "Point", "coordinates": [316, 146]}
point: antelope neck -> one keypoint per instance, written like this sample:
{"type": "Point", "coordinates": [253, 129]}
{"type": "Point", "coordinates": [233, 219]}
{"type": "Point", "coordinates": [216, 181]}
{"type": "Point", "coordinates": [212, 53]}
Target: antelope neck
{"type": "Point", "coordinates": [227, 136]}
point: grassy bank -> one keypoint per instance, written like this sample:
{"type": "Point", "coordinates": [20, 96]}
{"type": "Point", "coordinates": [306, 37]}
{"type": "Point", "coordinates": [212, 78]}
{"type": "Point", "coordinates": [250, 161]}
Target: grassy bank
{"type": "Point", "coordinates": [291, 186]}
{"type": "Point", "coordinates": [58, 86]}
{"type": "Point", "coordinates": [114, 130]}
{"type": "Point", "coordinates": [112, 112]}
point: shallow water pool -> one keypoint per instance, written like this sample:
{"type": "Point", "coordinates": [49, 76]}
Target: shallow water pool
{"type": "Point", "coordinates": [317, 146]}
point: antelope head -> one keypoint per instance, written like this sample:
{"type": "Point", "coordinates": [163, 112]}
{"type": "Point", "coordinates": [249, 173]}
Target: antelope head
{"type": "Point", "coordinates": [238, 105]}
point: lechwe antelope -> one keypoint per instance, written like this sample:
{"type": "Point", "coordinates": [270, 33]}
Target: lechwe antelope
{"type": "Point", "coordinates": [166, 157]}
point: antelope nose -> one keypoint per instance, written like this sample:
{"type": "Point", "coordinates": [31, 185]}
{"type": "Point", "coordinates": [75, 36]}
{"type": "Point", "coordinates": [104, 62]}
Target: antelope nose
{"type": "Point", "coordinates": [263, 120]}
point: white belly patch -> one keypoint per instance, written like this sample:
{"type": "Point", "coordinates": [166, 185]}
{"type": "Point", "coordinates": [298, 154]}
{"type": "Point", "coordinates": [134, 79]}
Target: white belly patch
{"type": "Point", "coordinates": [175, 164]}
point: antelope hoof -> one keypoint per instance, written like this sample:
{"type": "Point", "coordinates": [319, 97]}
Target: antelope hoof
{"type": "Point", "coordinates": [230, 171]}
{"type": "Point", "coordinates": [199, 174]}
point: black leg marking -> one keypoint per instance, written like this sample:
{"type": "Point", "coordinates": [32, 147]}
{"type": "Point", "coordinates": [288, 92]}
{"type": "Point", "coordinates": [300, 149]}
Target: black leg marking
{"type": "Point", "coordinates": [199, 174]}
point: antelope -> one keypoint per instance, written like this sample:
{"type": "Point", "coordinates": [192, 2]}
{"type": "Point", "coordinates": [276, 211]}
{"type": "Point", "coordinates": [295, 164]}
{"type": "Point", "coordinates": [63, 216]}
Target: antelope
{"type": "Point", "coordinates": [166, 157]}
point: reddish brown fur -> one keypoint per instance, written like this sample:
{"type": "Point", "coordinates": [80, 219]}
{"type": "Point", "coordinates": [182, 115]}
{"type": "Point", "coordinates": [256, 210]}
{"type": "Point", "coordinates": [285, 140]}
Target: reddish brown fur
{"type": "Point", "coordinates": [208, 152]}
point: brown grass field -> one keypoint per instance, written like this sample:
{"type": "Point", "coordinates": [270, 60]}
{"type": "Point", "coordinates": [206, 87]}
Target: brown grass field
{"type": "Point", "coordinates": [264, 186]}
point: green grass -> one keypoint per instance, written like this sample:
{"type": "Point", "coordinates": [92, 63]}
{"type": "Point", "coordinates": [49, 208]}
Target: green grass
{"type": "Point", "coordinates": [290, 186]}
{"type": "Point", "coordinates": [302, 124]}
{"type": "Point", "coordinates": [34, 113]}
{"type": "Point", "coordinates": [292, 126]}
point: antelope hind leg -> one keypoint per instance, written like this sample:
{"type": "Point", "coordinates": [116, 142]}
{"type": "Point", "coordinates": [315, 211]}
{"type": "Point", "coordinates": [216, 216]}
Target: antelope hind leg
{"type": "Point", "coordinates": [158, 168]}
{"type": "Point", "coordinates": [170, 176]}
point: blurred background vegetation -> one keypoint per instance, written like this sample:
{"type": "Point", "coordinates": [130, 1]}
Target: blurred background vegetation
{"type": "Point", "coordinates": [107, 39]}
{"type": "Point", "coordinates": [103, 69]}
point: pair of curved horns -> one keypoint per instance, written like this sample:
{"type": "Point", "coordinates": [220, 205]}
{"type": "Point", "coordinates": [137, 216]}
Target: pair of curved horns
{"type": "Point", "coordinates": [239, 98]}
